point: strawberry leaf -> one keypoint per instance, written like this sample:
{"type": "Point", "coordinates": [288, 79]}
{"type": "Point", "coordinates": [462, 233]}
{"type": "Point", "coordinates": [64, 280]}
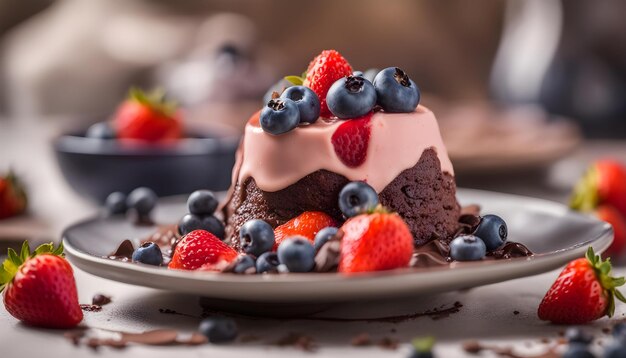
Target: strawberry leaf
{"type": "Point", "coordinates": [585, 196]}
{"type": "Point", "coordinates": [295, 80]}
{"type": "Point", "coordinates": [602, 269]}
{"type": "Point", "coordinates": [25, 251]}
{"type": "Point", "coordinates": [155, 100]}
{"type": "Point", "coordinates": [12, 264]}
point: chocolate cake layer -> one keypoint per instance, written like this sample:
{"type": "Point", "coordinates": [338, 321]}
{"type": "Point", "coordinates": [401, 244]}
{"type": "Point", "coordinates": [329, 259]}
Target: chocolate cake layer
{"type": "Point", "coordinates": [422, 195]}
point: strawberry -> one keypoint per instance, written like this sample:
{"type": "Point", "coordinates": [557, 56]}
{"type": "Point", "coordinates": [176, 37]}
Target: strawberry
{"type": "Point", "coordinates": [201, 250]}
{"type": "Point", "coordinates": [375, 242]}
{"type": "Point", "coordinates": [583, 292]}
{"type": "Point", "coordinates": [306, 225]}
{"type": "Point", "coordinates": [12, 196]}
{"type": "Point", "coordinates": [604, 183]}
{"type": "Point", "coordinates": [323, 71]}
{"type": "Point", "coordinates": [618, 222]}
{"type": "Point", "coordinates": [351, 140]}
{"type": "Point", "coordinates": [39, 287]}
{"type": "Point", "coordinates": [147, 117]}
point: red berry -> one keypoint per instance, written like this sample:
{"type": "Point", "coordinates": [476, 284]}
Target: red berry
{"type": "Point", "coordinates": [12, 196]}
{"type": "Point", "coordinates": [618, 222]}
{"type": "Point", "coordinates": [375, 242]}
{"type": "Point", "coordinates": [604, 183]}
{"type": "Point", "coordinates": [39, 289]}
{"type": "Point", "coordinates": [323, 71]}
{"type": "Point", "coordinates": [201, 249]}
{"type": "Point", "coordinates": [583, 292]}
{"type": "Point", "coordinates": [351, 140]}
{"type": "Point", "coordinates": [307, 225]}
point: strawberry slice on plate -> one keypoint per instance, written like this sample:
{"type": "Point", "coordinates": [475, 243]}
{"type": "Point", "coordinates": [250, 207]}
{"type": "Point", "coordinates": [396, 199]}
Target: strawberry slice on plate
{"type": "Point", "coordinates": [307, 225]}
{"type": "Point", "coordinates": [201, 250]}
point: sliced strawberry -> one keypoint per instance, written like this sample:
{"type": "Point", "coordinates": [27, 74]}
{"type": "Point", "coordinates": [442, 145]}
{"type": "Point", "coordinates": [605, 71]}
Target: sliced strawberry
{"type": "Point", "coordinates": [351, 140]}
{"type": "Point", "coordinates": [323, 71]}
{"type": "Point", "coordinates": [201, 250]}
{"type": "Point", "coordinates": [375, 242]}
{"type": "Point", "coordinates": [583, 292]}
{"type": "Point", "coordinates": [39, 287]}
{"type": "Point", "coordinates": [618, 222]}
{"type": "Point", "coordinates": [307, 225]}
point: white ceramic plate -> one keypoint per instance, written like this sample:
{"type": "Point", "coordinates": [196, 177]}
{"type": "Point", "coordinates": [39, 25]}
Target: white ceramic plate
{"type": "Point", "coordinates": [555, 234]}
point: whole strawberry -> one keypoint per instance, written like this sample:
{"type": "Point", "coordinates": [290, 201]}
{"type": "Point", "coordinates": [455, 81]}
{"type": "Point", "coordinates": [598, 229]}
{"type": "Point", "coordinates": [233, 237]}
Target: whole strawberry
{"type": "Point", "coordinates": [375, 242]}
{"type": "Point", "coordinates": [323, 71]}
{"type": "Point", "coordinates": [618, 222]}
{"type": "Point", "coordinates": [39, 287]}
{"type": "Point", "coordinates": [583, 292]}
{"type": "Point", "coordinates": [201, 250]}
{"type": "Point", "coordinates": [12, 196]}
{"type": "Point", "coordinates": [604, 183]}
{"type": "Point", "coordinates": [148, 117]}
{"type": "Point", "coordinates": [307, 225]}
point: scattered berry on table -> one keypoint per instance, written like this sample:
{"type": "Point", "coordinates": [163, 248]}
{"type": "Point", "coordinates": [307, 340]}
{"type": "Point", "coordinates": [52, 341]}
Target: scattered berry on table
{"type": "Point", "coordinates": [323, 71]}
{"type": "Point", "coordinates": [148, 253]}
{"type": "Point", "coordinates": [467, 248]}
{"type": "Point", "coordinates": [218, 329]}
{"type": "Point", "coordinates": [202, 202]}
{"type": "Point", "coordinates": [267, 262]}
{"type": "Point", "coordinates": [101, 130]}
{"type": "Point", "coordinates": [619, 330]}
{"type": "Point", "coordinates": [142, 200]}
{"type": "Point", "coordinates": [307, 101]}
{"type": "Point", "coordinates": [115, 203]}
{"type": "Point", "coordinates": [324, 235]}
{"type": "Point", "coordinates": [395, 91]}
{"type": "Point", "coordinates": [256, 237]}
{"type": "Point", "coordinates": [297, 254]}
{"type": "Point", "coordinates": [493, 231]}
{"type": "Point", "coordinates": [351, 97]}
{"type": "Point", "coordinates": [357, 197]}
{"type": "Point", "coordinates": [577, 350]}
{"type": "Point", "coordinates": [615, 349]}
{"type": "Point", "coordinates": [279, 116]}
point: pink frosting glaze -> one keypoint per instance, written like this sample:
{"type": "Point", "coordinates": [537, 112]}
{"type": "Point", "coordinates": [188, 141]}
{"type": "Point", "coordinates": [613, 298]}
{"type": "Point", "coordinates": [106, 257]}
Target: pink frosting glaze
{"type": "Point", "coordinates": [396, 143]}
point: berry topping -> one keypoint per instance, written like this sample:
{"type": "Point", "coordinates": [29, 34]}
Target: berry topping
{"type": "Point", "coordinates": [279, 116]}
{"type": "Point", "coordinates": [256, 237]}
{"type": "Point", "coordinates": [202, 202]}
{"type": "Point", "coordinates": [323, 71]}
{"type": "Point", "coordinates": [297, 254]}
{"type": "Point", "coordinates": [351, 97]}
{"type": "Point", "coordinates": [101, 130]}
{"type": "Point", "coordinates": [201, 249]}
{"type": "Point", "coordinates": [467, 248]}
{"type": "Point", "coordinates": [395, 91]}
{"type": "Point", "coordinates": [583, 292]}
{"type": "Point", "coordinates": [210, 223]}
{"type": "Point", "coordinates": [218, 329]}
{"type": "Point", "coordinates": [306, 225]}
{"type": "Point", "coordinates": [148, 253]}
{"type": "Point", "coordinates": [324, 235]}
{"type": "Point", "coordinates": [375, 242]}
{"type": "Point", "coordinates": [267, 262]}
{"type": "Point", "coordinates": [148, 117]}
{"type": "Point", "coordinates": [12, 196]}
{"type": "Point", "coordinates": [307, 101]}
{"type": "Point", "coordinates": [356, 198]}
{"type": "Point", "coordinates": [244, 264]}
{"type": "Point", "coordinates": [351, 140]}
{"type": "Point", "coordinates": [492, 231]}
{"type": "Point", "coordinates": [142, 200]}
{"type": "Point", "coordinates": [39, 287]}
{"type": "Point", "coordinates": [115, 203]}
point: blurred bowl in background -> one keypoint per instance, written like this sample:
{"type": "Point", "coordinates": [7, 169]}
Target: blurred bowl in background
{"type": "Point", "coordinates": [94, 167]}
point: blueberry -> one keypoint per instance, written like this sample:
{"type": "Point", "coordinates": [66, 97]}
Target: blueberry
{"type": "Point", "coordinates": [395, 91]}
{"type": "Point", "coordinates": [297, 254]}
{"type": "Point", "coordinates": [115, 203]}
{"type": "Point", "coordinates": [493, 231]}
{"type": "Point", "coordinates": [357, 73]}
{"type": "Point", "coordinates": [148, 253]}
{"type": "Point", "coordinates": [267, 262]}
{"type": "Point", "coordinates": [619, 330]}
{"type": "Point", "coordinates": [577, 350]}
{"type": "Point", "coordinates": [279, 116]}
{"type": "Point", "coordinates": [307, 101]}
{"type": "Point", "coordinates": [142, 200]}
{"type": "Point", "coordinates": [467, 248]}
{"type": "Point", "coordinates": [577, 335]}
{"type": "Point", "coordinates": [323, 236]}
{"type": "Point", "coordinates": [244, 264]}
{"type": "Point", "coordinates": [218, 329]}
{"type": "Point", "coordinates": [202, 202]}
{"type": "Point", "coordinates": [351, 97]}
{"type": "Point", "coordinates": [615, 349]}
{"type": "Point", "coordinates": [256, 237]}
{"type": "Point", "coordinates": [357, 197]}
{"type": "Point", "coordinates": [210, 223]}
{"type": "Point", "coordinates": [101, 130]}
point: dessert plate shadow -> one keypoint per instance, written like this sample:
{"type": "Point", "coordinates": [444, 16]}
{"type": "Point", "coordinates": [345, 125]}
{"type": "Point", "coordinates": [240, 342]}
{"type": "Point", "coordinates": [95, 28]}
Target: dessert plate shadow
{"type": "Point", "coordinates": [555, 234]}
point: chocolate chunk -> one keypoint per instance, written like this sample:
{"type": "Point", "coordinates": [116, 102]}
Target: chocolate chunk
{"type": "Point", "coordinates": [327, 258]}
{"type": "Point", "coordinates": [125, 250]}
{"type": "Point", "coordinates": [100, 300]}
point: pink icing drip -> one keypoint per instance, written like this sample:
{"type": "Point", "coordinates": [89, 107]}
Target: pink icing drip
{"type": "Point", "coordinates": [396, 143]}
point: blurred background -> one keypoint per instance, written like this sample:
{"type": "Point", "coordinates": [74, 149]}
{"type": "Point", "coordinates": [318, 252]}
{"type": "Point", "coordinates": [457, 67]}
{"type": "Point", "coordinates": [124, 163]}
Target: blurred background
{"type": "Point", "coordinates": [526, 92]}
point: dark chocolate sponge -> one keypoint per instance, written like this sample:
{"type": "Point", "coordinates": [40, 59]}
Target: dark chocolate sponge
{"type": "Point", "coordinates": [422, 195]}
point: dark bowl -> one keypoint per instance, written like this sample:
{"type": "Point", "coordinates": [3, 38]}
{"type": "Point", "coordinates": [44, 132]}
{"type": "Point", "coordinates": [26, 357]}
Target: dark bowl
{"type": "Point", "coordinates": [96, 167]}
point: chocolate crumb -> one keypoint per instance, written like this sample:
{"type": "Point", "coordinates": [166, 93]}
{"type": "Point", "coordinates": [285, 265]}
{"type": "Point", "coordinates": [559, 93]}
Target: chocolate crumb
{"type": "Point", "coordinates": [90, 308]}
{"type": "Point", "coordinates": [100, 300]}
{"type": "Point", "coordinates": [388, 343]}
{"type": "Point", "coordinates": [298, 341]}
{"type": "Point", "coordinates": [361, 340]}
{"type": "Point", "coordinates": [472, 347]}
{"type": "Point", "coordinates": [75, 336]}
{"type": "Point", "coordinates": [606, 330]}
{"type": "Point", "coordinates": [249, 338]}
{"type": "Point", "coordinates": [516, 312]}
{"type": "Point", "coordinates": [544, 340]}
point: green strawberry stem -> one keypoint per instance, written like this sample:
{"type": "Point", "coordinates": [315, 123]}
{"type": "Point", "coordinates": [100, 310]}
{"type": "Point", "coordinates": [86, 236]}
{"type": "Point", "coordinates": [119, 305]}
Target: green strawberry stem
{"type": "Point", "coordinates": [295, 80]}
{"type": "Point", "coordinates": [585, 195]}
{"type": "Point", "coordinates": [11, 265]}
{"type": "Point", "coordinates": [602, 269]}
{"type": "Point", "coordinates": [155, 100]}
{"type": "Point", "coordinates": [423, 344]}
